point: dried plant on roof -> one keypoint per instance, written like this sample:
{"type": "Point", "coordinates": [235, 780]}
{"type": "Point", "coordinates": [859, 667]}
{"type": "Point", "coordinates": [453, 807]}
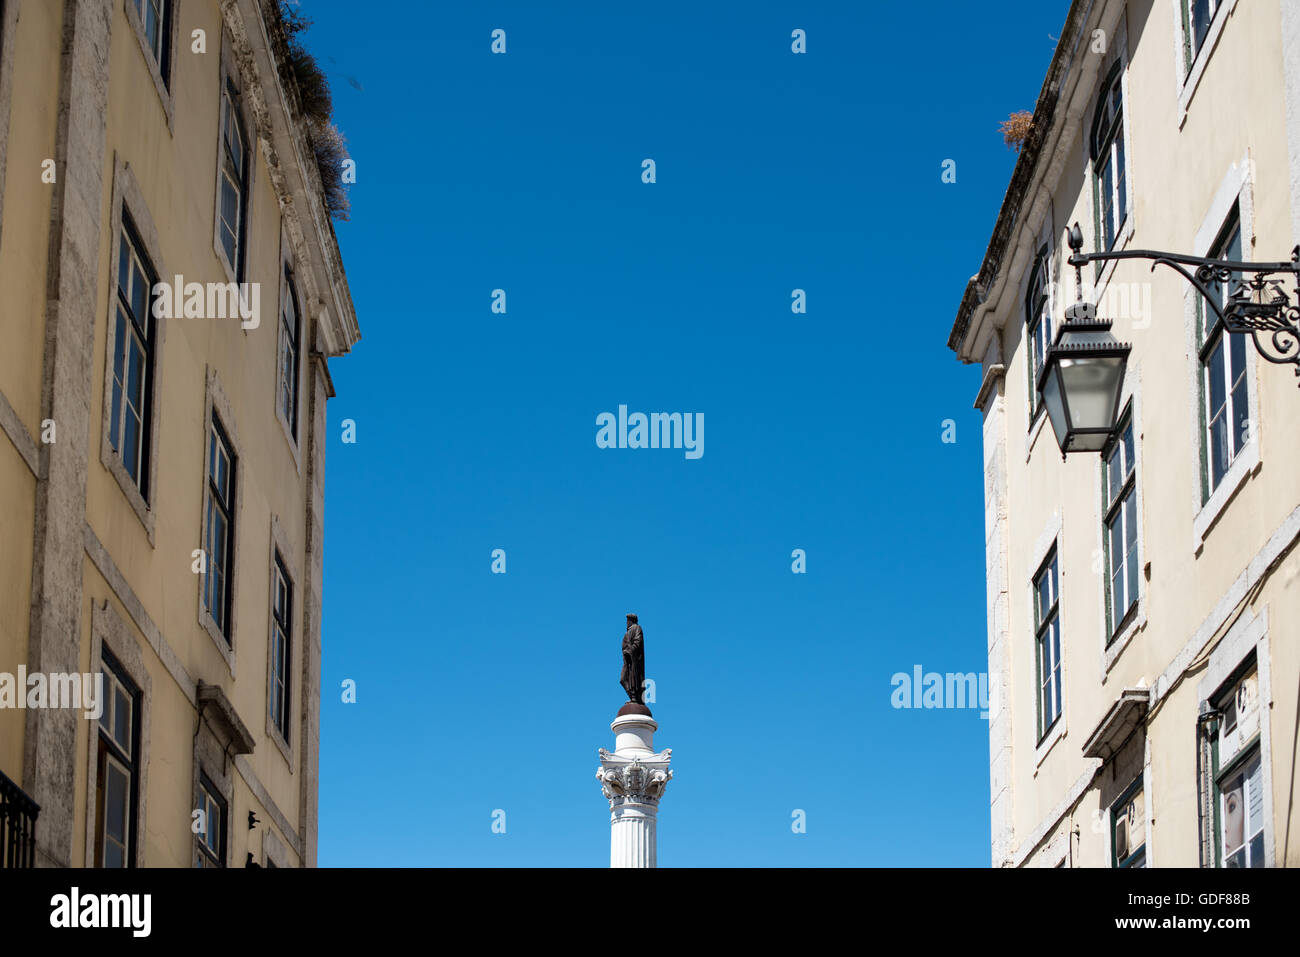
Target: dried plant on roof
{"type": "Point", "coordinates": [1016, 128]}
{"type": "Point", "coordinates": [327, 141]}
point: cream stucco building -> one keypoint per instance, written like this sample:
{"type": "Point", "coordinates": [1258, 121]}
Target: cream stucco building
{"type": "Point", "coordinates": [1144, 604]}
{"type": "Point", "coordinates": [161, 467]}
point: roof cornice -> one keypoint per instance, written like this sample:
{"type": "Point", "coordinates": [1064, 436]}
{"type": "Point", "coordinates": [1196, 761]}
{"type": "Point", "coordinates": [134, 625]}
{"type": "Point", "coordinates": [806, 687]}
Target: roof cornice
{"type": "Point", "coordinates": [1024, 174]}
{"type": "Point", "coordinates": [261, 48]}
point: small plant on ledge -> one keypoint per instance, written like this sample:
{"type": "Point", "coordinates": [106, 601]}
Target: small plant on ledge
{"type": "Point", "coordinates": [327, 142]}
{"type": "Point", "coordinates": [1016, 128]}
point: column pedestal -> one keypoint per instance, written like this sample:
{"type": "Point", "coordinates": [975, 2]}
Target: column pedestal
{"type": "Point", "coordinates": [633, 777]}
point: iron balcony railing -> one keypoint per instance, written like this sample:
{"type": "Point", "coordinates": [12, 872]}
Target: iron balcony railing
{"type": "Point", "coordinates": [17, 825]}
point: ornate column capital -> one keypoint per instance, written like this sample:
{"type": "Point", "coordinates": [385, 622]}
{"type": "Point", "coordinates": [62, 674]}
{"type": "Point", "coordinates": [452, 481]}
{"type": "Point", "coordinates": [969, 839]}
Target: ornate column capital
{"type": "Point", "coordinates": [633, 779]}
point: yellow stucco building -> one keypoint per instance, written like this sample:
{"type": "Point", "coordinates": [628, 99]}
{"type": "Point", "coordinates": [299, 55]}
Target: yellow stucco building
{"type": "Point", "coordinates": [162, 455]}
{"type": "Point", "coordinates": [1143, 604]}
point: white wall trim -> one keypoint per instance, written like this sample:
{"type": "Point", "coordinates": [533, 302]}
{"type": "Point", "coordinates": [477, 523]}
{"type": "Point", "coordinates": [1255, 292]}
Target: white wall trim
{"type": "Point", "coordinates": [1062, 807]}
{"type": "Point", "coordinates": [1278, 543]}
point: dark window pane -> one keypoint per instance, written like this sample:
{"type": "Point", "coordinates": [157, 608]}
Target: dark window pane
{"type": "Point", "coordinates": [139, 296]}
{"type": "Point", "coordinates": [1107, 193]}
{"type": "Point", "coordinates": [151, 26]}
{"type": "Point", "coordinates": [115, 799]}
{"type": "Point", "coordinates": [131, 447]}
{"type": "Point", "coordinates": [1240, 408]}
{"type": "Point", "coordinates": [1121, 200]}
{"type": "Point", "coordinates": [124, 266]}
{"type": "Point", "coordinates": [119, 353]}
{"type": "Point", "coordinates": [122, 719]}
{"type": "Point", "coordinates": [1216, 372]}
{"type": "Point", "coordinates": [1200, 22]}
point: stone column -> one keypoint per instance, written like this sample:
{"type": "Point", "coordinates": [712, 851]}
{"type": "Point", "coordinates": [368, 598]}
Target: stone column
{"type": "Point", "coordinates": [633, 778]}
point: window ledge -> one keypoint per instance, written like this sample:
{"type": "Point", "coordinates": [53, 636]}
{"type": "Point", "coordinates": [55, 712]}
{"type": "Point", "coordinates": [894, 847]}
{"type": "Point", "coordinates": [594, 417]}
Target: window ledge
{"type": "Point", "coordinates": [226, 649]}
{"type": "Point", "coordinates": [113, 462]}
{"type": "Point", "coordinates": [288, 434]}
{"type": "Point", "coordinates": [1245, 465]}
{"type": "Point", "coordinates": [274, 734]}
{"type": "Point", "coordinates": [1137, 622]}
{"type": "Point", "coordinates": [1103, 277]}
{"type": "Point", "coordinates": [1191, 79]}
{"type": "Point", "coordinates": [1054, 734]}
{"type": "Point", "coordinates": [155, 72]}
{"type": "Point", "coordinates": [1035, 427]}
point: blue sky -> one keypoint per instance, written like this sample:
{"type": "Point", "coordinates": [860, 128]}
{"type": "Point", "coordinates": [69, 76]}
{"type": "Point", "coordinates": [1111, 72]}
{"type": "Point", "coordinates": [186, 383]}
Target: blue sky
{"type": "Point", "coordinates": [476, 431]}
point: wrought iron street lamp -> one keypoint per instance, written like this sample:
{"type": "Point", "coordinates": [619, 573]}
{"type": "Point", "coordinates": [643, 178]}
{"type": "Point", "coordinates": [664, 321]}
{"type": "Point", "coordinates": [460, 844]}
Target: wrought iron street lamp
{"type": "Point", "coordinates": [1081, 380]}
{"type": "Point", "coordinates": [1083, 373]}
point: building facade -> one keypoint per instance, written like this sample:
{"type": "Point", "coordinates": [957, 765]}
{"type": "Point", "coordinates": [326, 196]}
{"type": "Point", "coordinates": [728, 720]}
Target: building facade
{"type": "Point", "coordinates": [172, 290]}
{"type": "Point", "coordinates": [1144, 604]}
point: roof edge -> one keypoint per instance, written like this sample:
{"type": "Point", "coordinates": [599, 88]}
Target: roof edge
{"type": "Point", "coordinates": [1026, 166]}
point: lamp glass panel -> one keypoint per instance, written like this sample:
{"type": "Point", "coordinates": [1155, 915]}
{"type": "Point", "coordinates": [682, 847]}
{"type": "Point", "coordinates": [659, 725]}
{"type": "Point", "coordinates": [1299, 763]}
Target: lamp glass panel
{"type": "Point", "coordinates": [1055, 405]}
{"type": "Point", "coordinates": [1091, 387]}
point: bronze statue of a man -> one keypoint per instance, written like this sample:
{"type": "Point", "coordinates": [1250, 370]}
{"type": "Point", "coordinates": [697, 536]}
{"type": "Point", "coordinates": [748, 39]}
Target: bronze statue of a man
{"type": "Point", "coordinates": [633, 661]}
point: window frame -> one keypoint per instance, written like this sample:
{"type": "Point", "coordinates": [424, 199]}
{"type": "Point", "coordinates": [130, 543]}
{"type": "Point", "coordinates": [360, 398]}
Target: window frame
{"type": "Point", "coordinates": [218, 441]}
{"type": "Point", "coordinates": [1240, 765]}
{"type": "Point", "coordinates": [161, 51]}
{"type": "Point", "coordinates": [284, 351]}
{"type": "Point", "coordinates": [131, 220]}
{"type": "Point", "coordinates": [1131, 859]}
{"type": "Point", "coordinates": [130, 244]}
{"type": "Point", "coordinates": [1192, 50]}
{"type": "Point", "coordinates": [1038, 311]}
{"type": "Point", "coordinates": [1253, 663]}
{"type": "Point", "coordinates": [1210, 334]}
{"type": "Point", "coordinates": [1047, 624]}
{"type": "Point", "coordinates": [159, 56]}
{"type": "Point", "coordinates": [108, 748]}
{"type": "Point", "coordinates": [217, 405]}
{"type": "Point", "coordinates": [233, 170]}
{"type": "Point", "coordinates": [1108, 144]}
{"type": "Point", "coordinates": [232, 104]}
{"type": "Point", "coordinates": [1115, 506]}
{"type": "Point", "coordinates": [207, 797]}
{"type": "Point", "coordinates": [281, 640]}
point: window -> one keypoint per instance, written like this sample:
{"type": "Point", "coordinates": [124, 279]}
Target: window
{"type": "Point", "coordinates": [1238, 802]}
{"type": "Point", "coordinates": [1197, 16]}
{"type": "Point", "coordinates": [1241, 815]}
{"type": "Point", "coordinates": [210, 843]}
{"type": "Point", "coordinates": [117, 773]}
{"type": "Point", "coordinates": [1120, 538]}
{"type": "Point", "coordinates": [1038, 320]}
{"type": "Point", "coordinates": [220, 528]}
{"type": "Point", "coordinates": [1047, 624]}
{"type": "Point", "coordinates": [155, 17]}
{"type": "Point", "coordinates": [233, 183]}
{"type": "Point", "coordinates": [1225, 403]}
{"type": "Point", "coordinates": [133, 360]}
{"type": "Point", "coordinates": [290, 338]}
{"type": "Point", "coordinates": [1128, 817]}
{"type": "Point", "coordinates": [1109, 166]}
{"type": "Point", "coordinates": [282, 627]}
